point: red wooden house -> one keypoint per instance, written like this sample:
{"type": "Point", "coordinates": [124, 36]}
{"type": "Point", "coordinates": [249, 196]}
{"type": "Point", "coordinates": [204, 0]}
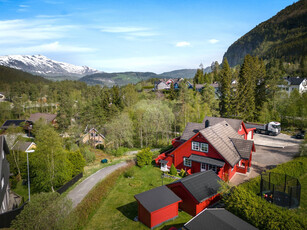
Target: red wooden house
{"type": "Point", "coordinates": [197, 191]}
{"type": "Point", "coordinates": [203, 147]}
{"type": "Point", "coordinates": [157, 206]}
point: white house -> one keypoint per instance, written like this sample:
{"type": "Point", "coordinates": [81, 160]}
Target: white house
{"type": "Point", "coordinates": [294, 83]}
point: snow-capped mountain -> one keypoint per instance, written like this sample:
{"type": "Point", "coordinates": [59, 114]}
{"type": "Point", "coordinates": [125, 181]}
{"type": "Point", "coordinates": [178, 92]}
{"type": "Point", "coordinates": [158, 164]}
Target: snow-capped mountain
{"type": "Point", "coordinates": [41, 65]}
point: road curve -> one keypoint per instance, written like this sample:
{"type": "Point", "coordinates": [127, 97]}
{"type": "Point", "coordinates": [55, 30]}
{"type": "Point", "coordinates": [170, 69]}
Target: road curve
{"type": "Point", "coordinates": [81, 190]}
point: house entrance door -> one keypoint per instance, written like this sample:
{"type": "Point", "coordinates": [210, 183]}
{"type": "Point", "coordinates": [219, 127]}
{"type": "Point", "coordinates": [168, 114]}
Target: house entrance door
{"type": "Point", "coordinates": [203, 167]}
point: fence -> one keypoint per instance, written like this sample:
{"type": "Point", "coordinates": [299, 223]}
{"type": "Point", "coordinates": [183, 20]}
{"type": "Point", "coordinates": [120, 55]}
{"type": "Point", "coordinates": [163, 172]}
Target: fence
{"type": "Point", "coordinates": [70, 183]}
{"type": "Point", "coordinates": [7, 217]}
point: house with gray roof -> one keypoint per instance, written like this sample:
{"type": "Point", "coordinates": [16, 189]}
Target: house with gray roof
{"type": "Point", "coordinates": [292, 83]}
{"type": "Point", "coordinates": [216, 146]}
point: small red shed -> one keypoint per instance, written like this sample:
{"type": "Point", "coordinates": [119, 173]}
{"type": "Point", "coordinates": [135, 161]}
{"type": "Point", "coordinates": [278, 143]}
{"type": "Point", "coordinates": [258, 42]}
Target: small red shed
{"type": "Point", "coordinates": [197, 191]}
{"type": "Point", "coordinates": [157, 206]}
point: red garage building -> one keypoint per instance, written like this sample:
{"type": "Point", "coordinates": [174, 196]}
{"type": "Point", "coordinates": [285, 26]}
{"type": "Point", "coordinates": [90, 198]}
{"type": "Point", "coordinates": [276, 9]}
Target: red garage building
{"type": "Point", "coordinates": [204, 147]}
{"type": "Point", "coordinates": [156, 206]}
{"type": "Point", "coordinates": [197, 191]}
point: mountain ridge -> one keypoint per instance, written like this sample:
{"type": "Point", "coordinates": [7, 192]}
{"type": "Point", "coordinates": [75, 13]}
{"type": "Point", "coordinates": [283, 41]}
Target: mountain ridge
{"type": "Point", "coordinates": [282, 36]}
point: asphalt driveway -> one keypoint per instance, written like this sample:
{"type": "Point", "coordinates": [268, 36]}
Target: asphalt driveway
{"type": "Point", "coordinates": [80, 191]}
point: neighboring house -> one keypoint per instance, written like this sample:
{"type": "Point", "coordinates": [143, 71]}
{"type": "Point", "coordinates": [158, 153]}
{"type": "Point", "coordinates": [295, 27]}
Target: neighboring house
{"type": "Point", "coordinates": [197, 191]}
{"type": "Point", "coordinates": [4, 176]}
{"type": "Point", "coordinates": [217, 147]}
{"type": "Point", "coordinates": [93, 137]}
{"type": "Point", "coordinates": [25, 124]}
{"type": "Point", "coordinates": [164, 84]}
{"type": "Point", "coordinates": [49, 118]}
{"type": "Point", "coordinates": [157, 206]}
{"type": "Point", "coordinates": [217, 218]}
{"type": "Point", "coordinates": [294, 83]}
{"type": "Point", "coordinates": [22, 146]}
{"type": "Point", "coordinates": [2, 97]}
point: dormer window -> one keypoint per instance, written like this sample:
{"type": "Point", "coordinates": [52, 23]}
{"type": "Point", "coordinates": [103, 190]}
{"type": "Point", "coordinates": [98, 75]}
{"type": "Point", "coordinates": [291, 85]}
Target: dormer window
{"type": "Point", "coordinates": [195, 146]}
{"type": "Point", "coordinates": [199, 146]}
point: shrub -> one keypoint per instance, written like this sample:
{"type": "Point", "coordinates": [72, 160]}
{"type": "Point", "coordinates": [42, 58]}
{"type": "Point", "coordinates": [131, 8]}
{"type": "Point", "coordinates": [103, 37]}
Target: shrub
{"type": "Point", "coordinates": [129, 173]}
{"type": "Point", "coordinates": [88, 155]}
{"type": "Point", "coordinates": [45, 211]}
{"type": "Point", "coordinates": [173, 170]}
{"type": "Point", "coordinates": [182, 173]}
{"type": "Point", "coordinates": [144, 157]}
{"type": "Point", "coordinates": [77, 161]}
{"type": "Point", "coordinates": [14, 182]}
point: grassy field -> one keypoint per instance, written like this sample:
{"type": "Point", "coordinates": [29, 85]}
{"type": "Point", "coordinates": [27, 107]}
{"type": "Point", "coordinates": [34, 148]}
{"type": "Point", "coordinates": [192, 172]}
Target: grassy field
{"type": "Point", "coordinates": [119, 208]}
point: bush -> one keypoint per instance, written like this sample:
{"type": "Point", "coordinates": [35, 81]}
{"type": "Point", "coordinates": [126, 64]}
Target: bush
{"type": "Point", "coordinates": [144, 157]}
{"type": "Point", "coordinates": [88, 155]}
{"type": "Point", "coordinates": [117, 152]}
{"type": "Point", "coordinates": [45, 211]}
{"type": "Point", "coordinates": [78, 162]}
{"type": "Point", "coordinates": [129, 173]}
{"type": "Point", "coordinates": [14, 182]}
{"type": "Point", "coordinates": [173, 170]}
{"type": "Point", "coordinates": [182, 173]}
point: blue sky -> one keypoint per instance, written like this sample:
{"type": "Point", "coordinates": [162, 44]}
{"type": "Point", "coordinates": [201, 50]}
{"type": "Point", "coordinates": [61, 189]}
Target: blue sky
{"type": "Point", "coordinates": [111, 36]}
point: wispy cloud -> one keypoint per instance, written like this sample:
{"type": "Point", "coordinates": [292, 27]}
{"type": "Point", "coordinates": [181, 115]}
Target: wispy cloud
{"type": "Point", "coordinates": [213, 41]}
{"type": "Point", "coordinates": [183, 44]}
{"type": "Point", "coordinates": [25, 31]}
{"type": "Point", "coordinates": [23, 8]}
{"type": "Point", "coordinates": [54, 47]}
{"type": "Point", "coordinates": [130, 32]}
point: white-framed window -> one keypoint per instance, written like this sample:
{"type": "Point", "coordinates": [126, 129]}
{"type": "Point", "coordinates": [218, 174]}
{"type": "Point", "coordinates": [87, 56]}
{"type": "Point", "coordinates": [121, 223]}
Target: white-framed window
{"type": "Point", "coordinates": [195, 146]}
{"type": "Point", "coordinates": [187, 162]}
{"type": "Point", "coordinates": [204, 147]}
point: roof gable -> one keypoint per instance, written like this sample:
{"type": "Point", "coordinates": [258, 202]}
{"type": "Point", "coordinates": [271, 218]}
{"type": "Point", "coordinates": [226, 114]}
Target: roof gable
{"type": "Point", "coordinates": [294, 80]}
{"type": "Point", "coordinates": [244, 147]}
{"type": "Point", "coordinates": [202, 185]}
{"type": "Point", "coordinates": [234, 123]}
{"type": "Point", "coordinates": [23, 146]}
{"type": "Point", "coordinates": [157, 198]}
{"type": "Point", "coordinates": [219, 136]}
{"type": "Point", "coordinates": [217, 218]}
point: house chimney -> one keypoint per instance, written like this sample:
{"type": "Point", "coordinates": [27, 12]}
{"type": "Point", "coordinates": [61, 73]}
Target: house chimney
{"type": "Point", "coordinates": [207, 123]}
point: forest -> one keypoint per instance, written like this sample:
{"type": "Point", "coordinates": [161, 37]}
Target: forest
{"type": "Point", "coordinates": [137, 116]}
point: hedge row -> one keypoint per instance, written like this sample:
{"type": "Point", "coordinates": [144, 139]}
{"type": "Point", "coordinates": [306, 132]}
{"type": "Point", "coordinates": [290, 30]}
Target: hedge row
{"type": "Point", "coordinates": [80, 216]}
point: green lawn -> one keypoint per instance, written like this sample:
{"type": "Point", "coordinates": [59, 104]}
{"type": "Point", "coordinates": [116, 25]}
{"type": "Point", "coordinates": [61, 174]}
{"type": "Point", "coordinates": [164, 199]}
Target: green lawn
{"type": "Point", "coordinates": [119, 208]}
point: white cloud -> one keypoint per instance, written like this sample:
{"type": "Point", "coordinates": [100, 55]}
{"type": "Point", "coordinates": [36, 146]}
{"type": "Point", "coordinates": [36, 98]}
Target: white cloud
{"type": "Point", "coordinates": [25, 31]}
{"type": "Point", "coordinates": [123, 29]}
{"type": "Point", "coordinates": [183, 44]}
{"type": "Point", "coordinates": [54, 47]}
{"type": "Point", "coordinates": [213, 41]}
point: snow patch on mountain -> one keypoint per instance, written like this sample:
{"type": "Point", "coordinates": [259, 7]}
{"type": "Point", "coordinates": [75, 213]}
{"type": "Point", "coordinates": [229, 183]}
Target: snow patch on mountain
{"type": "Point", "coordinates": [41, 65]}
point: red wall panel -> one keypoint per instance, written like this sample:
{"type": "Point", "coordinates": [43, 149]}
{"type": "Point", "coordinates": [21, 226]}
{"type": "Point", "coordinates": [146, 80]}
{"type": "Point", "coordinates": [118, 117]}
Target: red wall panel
{"type": "Point", "coordinates": [164, 214]}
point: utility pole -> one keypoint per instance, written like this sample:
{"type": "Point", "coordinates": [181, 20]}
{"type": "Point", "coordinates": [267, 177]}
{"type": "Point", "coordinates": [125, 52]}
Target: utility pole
{"type": "Point", "coordinates": [28, 176]}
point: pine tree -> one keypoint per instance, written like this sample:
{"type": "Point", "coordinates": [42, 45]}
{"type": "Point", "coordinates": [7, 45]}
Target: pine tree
{"type": "Point", "coordinates": [172, 93]}
{"type": "Point", "coordinates": [225, 90]}
{"type": "Point", "coordinates": [245, 101]}
{"type": "Point", "coordinates": [199, 76]}
{"type": "Point", "coordinates": [260, 91]}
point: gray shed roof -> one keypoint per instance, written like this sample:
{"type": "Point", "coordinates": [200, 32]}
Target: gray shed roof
{"type": "Point", "coordinates": [207, 160]}
{"type": "Point", "coordinates": [234, 123]}
{"type": "Point", "coordinates": [21, 146]}
{"type": "Point", "coordinates": [219, 136]}
{"type": "Point", "coordinates": [202, 185]}
{"type": "Point", "coordinates": [8, 123]}
{"type": "Point", "coordinates": [157, 198]}
{"type": "Point", "coordinates": [191, 129]}
{"type": "Point", "coordinates": [244, 147]}
{"type": "Point", "coordinates": [217, 218]}
{"type": "Point", "coordinates": [294, 80]}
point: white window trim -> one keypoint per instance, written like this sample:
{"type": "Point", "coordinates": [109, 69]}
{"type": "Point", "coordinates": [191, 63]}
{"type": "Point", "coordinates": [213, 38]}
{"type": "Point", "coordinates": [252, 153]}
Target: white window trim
{"type": "Point", "coordinates": [204, 144]}
{"type": "Point", "coordinates": [185, 160]}
{"type": "Point", "coordinates": [194, 144]}
{"type": "Point", "coordinates": [2, 182]}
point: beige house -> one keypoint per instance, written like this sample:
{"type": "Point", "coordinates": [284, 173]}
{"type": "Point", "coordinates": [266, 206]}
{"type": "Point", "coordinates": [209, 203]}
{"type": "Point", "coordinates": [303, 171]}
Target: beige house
{"type": "Point", "coordinates": [93, 137]}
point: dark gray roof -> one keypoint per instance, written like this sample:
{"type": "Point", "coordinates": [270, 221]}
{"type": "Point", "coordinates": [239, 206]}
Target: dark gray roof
{"type": "Point", "coordinates": [234, 123]}
{"type": "Point", "coordinates": [4, 167]}
{"type": "Point", "coordinates": [163, 161]}
{"type": "Point", "coordinates": [191, 129]}
{"type": "Point", "coordinates": [3, 145]}
{"type": "Point", "coordinates": [157, 198]}
{"type": "Point", "coordinates": [244, 147]}
{"type": "Point", "coordinates": [294, 80]}
{"type": "Point", "coordinates": [217, 218]}
{"type": "Point", "coordinates": [21, 146]}
{"type": "Point", "coordinates": [219, 136]}
{"type": "Point", "coordinates": [202, 185]}
{"type": "Point", "coordinates": [207, 160]}
{"type": "Point", "coordinates": [45, 116]}
{"type": "Point", "coordinates": [8, 123]}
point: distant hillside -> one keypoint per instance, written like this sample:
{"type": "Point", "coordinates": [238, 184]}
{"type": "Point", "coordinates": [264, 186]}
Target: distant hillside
{"type": "Point", "coordinates": [9, 75]}
{"type": "Point", "coordinates": [282, 36]}
{"type": "Point", "coordinates": [124, 78]}
{"type": "Point", "coordinates": [110, 79]}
